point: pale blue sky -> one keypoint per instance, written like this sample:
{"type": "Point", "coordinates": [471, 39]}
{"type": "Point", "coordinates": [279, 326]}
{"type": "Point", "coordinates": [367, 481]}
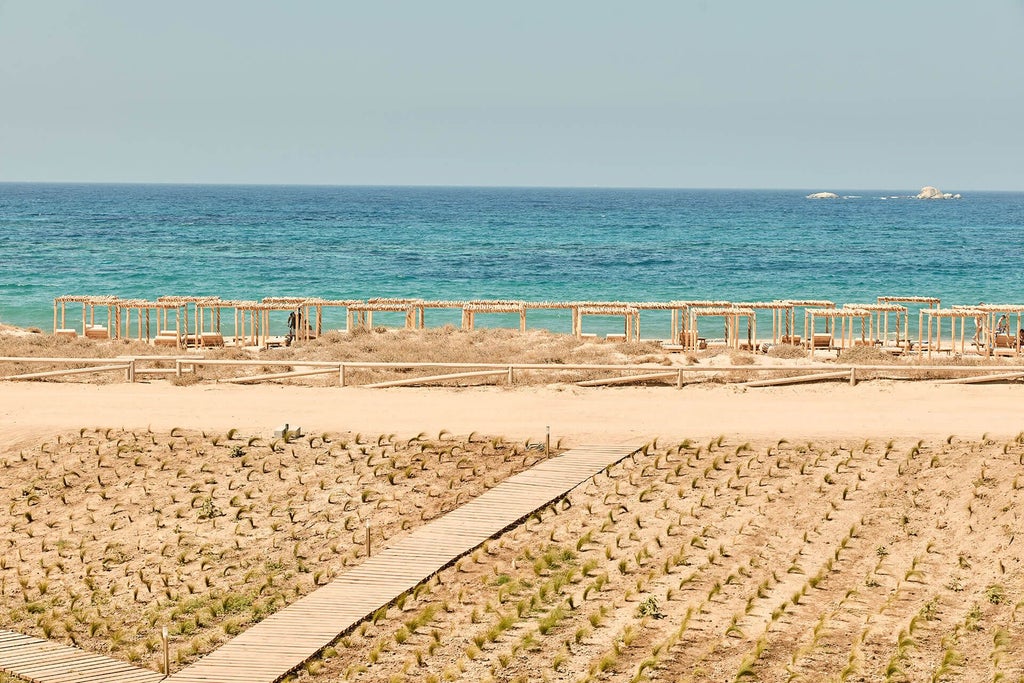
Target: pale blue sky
{"type": "Point", "coordinates": [720, 93]}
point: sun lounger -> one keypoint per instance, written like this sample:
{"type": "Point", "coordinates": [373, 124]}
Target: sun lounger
{"type": "Point", "coordinates": [1006, 345]}
{"type": "Point", "coordinates": [166, 338]}
{"type": "Point", "coordinates": [211, 339]}
{"type": "Point", "coordinates": [97, 332]}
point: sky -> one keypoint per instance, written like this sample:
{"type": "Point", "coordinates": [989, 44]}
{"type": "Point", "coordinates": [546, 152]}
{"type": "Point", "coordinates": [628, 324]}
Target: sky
{"type": "Point", "coordinates": [872, 94]}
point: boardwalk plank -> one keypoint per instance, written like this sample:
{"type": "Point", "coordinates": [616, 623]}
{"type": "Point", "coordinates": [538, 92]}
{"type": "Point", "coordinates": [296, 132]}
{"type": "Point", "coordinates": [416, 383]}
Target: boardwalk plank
{"type": "Point", "coordinates": [42, 661]}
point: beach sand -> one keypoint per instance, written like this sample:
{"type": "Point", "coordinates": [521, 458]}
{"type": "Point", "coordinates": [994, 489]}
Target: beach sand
{"type": "Point", "coordinates": [576, 415]}
{"type": "Point", "coordinates": [885, 535]}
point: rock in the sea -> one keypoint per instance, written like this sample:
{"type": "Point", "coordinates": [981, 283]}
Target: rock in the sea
{"type": "Point", "coordinates": [823, 195]}
{"type": "Point", "coordinates": [930, 192]}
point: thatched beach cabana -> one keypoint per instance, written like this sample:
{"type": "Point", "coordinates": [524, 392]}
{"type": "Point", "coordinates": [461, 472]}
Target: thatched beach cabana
{"type": "Point", "coordinates": [471, 308]}
{"type": "Point", "coordinates": [732, 317]}
{"type": "Point", "coordinates": [878, 325]}
{"type": "Point", "coordinates": [930, 319]}
{"type": "Point", "coordinates": [365, 311]}
{"type": "Point", "coordinates": [90, 304]}
{"type": "Point", "coordinates": [836, 319]}
{"type": "Point", "coordinates": [628, 313]}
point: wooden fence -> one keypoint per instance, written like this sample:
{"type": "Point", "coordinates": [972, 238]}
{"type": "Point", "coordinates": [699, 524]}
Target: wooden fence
{"type": "Point", "coordinates": [136, 367]}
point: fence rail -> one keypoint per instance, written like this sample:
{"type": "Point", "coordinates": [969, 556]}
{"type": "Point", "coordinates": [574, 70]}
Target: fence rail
{"type": "Point", "coordinates": [746, 375]}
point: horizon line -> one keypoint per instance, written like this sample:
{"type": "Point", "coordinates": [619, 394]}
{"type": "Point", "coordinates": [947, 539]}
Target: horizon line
{"type": "Point", "coordinates": [468, 186]}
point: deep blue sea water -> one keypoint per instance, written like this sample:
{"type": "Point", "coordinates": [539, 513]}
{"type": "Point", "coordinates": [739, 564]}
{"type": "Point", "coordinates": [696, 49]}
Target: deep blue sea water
{"type": "Point", "coordinates": [247, 242]}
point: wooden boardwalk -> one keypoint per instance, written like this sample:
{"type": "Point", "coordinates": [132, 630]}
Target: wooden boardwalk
{"type": "Point", "coordinates": [285, 640]}
{"type": "Point", "coordinates": [43, 661]}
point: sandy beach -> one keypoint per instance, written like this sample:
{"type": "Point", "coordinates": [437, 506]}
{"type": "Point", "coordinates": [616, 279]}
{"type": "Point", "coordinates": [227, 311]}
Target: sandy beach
{"type": "Point", "coordinates": [882, 408]}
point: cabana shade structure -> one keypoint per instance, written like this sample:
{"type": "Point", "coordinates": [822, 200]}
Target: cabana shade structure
{"type": "Point", "coordinates": [576, 308]}
{"type": "Point", "coordinates": [878, 325]}
{"type": "Point", "coordinates": [842, 319]}
{"type": "Point", "coordinates": [803, 304]}
{"type": "Point", "coordinates": [60, 306]}
{"type": "Point", "coordinates": [670, 306]}
{"type": "Point", "coordinates": [315, 311]}
{"type": "Point", "coordinates": [304, 310]}
{"type": "Point", "coordinates": [471, 308]}
{"type": "Point", "coordinates": [916, 301]}
{"type": "Point", "coordinates": [208, 316]}
{"type": "Point", "coordinates": [284, 307]}
{"type": "Point", "coordinates": [929, 301]}
{"type": "Point", "coordinates": [200, 321]}
{"type": "Point", "coordinates": [781, 314]}
{"type": "Point", "coordinates": [682, 325]}
{"type": "Point", "coordinates": [559, 306]}
{"type": "Point", "coordinates": [732, 316]}
{"type": "Point", "coordinates": [1003, 328]}
{"type": "Point", "coordinates": [247, 323]}
{"type": "Point", "coordinates": [932, 319]}
{"type": "Point", "coordinates": [442, 305]}
{"type": "Point", "coordinates": [142, 309]}
{"type": "Point", "coordinates": [89, 305]}
{"type": "Point", "coordinates": [166, 333]}
{"type": "Point", "coordinates": [365, 311]}
{"type": "Point", "coordinates": [628, 313]}
{"type": "Point", "coordinates": [189, 336]}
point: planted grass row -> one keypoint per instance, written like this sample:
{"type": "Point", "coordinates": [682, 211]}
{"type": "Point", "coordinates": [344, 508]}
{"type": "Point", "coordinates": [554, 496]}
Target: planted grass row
{"type": "Point", "coordinates": [111, 534]}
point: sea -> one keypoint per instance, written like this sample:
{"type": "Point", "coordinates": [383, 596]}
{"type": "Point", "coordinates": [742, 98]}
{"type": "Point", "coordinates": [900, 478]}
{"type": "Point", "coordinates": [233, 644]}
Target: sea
{"type": "Point", "coordinates": [542, 244]}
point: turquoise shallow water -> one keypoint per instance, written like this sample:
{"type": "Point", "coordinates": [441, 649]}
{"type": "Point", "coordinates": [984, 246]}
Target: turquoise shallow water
{"type": "Point", "coordinates": [247, 242]}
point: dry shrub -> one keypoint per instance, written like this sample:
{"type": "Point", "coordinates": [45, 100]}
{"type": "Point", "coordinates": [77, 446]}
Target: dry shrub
{"type": "Point", "coordinates": [741, 357]}
{"type": "Point", "coordinates": [638, 348]}
{"type": "Point", "coordinates": [787, 351]}
{"type": "Point", "coordinates": [954, 359]}
{"type": "Point", "coordinates": [712, 352]}
{"type": "Point", "coordinates": [739, 376]}
{"type": "Point", "coordinates": [659, 358]}
{"type": "Point", "coordinates": [228, 353]}
{"type": "Point", "coordinates": [34, 345]}
{"type": "Point", "coordinates": [452, 345]}
{"type": "Point", "coordinates": [866, 355]}
{"type": "Point", "coordinates": [186, 379]}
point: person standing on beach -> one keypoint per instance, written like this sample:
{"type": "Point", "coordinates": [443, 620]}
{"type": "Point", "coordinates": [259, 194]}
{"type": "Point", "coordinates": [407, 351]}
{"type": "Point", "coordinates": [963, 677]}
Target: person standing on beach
{"type": "Point", "coordinates": [293, 319]}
